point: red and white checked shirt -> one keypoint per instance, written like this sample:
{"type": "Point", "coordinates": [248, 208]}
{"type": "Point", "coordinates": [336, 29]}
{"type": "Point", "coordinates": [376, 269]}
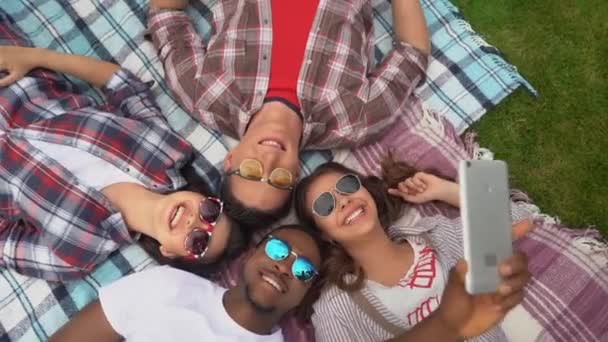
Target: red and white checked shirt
{"type": "Point", "coordinates": [344, 101]}
{"type": "Point", "coordinates": [51, 225]}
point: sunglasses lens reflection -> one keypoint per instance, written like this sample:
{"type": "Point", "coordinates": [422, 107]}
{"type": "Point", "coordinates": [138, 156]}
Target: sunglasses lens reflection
{"type": "Point", "coordinates": [324, 204]}
{"type": "Point", "coordinates": [210, 210]}
{"type": "Point", "coordinates": [197, 242]}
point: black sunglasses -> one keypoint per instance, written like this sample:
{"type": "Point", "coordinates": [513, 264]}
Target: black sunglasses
{"type": "Point", "coordinates": [325, 203]}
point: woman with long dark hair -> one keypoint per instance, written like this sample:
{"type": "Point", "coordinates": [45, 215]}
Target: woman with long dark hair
{"type": "Point", "coordinates": [79, 179]}
{"type": "Point", "coordinates": [382, 276]}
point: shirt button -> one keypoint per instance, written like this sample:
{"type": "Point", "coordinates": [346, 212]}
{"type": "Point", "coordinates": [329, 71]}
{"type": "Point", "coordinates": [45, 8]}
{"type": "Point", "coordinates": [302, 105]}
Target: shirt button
{"type": "Point", "coordinates": [259, 93]}
{"type": "Point", "coordinates": [264, 57]}
{"type": "Point", "coordinates": [127, 169]}
{"type": "Point", "coordinates": [265, 21]}
{"type": "Point", "coordinates": [309, 62]}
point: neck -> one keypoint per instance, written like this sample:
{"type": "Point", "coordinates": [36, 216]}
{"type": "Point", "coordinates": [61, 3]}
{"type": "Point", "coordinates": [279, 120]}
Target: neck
{"type": "Point", "coordinates": [380, 257]}
{"type": "Point", "coordinates": [137, 217]}
{"type": "Point", "coordinates": [241, 310]}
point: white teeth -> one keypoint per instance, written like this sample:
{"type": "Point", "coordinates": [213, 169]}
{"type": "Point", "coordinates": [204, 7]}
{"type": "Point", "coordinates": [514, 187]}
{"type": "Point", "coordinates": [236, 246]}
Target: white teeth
{"type": "Point", "coordinates": [273, 283]}
{"type": "Point", "coordinates": [272, 143]}
{"type": "Point", "coordinates": [354, 215]}
{"type": "Point", "coordinates": [177, 215]}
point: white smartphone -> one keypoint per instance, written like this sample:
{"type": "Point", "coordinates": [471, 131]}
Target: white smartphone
{"type": "Point", "coordinates": [486, 219]}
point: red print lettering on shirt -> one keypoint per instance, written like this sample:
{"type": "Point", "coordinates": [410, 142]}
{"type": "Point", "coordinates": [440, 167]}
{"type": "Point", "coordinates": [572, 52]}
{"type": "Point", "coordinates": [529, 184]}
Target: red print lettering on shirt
{"type": "Point", "coordinates": [424, 272]}
{"type": "Point", "coordinates": [426, 307]}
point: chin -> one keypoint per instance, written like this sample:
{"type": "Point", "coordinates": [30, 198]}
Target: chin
{"type": "Point", "coordinates": [258, 305]}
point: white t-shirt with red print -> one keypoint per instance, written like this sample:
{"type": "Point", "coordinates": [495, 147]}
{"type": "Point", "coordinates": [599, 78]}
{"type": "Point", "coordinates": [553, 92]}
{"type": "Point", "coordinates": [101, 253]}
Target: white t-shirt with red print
{"type": "Point", "coordinates": [418, 293]}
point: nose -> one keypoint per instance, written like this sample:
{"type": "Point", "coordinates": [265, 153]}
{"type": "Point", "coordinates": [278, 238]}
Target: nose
{"type": "Point", "coordinates": [192, 220]}
{"type": "Point", "coordinates": [283, 266]}
{"type": "Point", "coordinates": [269, 161]}
{"type": "Point", "coordinates": [341, 200]}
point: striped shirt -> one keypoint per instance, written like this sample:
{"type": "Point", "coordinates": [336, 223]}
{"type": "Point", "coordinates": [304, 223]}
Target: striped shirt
{"type": "Point", "coordinates": [344, 100]}
{"type": "Point", "coordinates": [338, 318]}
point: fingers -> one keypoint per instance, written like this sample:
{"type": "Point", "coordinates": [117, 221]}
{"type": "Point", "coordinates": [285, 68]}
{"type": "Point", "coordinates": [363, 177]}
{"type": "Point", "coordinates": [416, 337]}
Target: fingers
{"type": "Point", "coordinates": [521, 228]}
{"type": "Point", "coordinates": [412, 186]}
{"type": "Point", "coordinates": [418, 182]}
{"type": "Point", "coordinates": [513, 284]}
{"type": "Point", "coordinates": [461, 270]}
{"type": "Point", "coordinates": [516, 264]}
{"type": "Point", "coordinates": [8, 80]}
{"type": "Point", "coordinates": [509, 302]}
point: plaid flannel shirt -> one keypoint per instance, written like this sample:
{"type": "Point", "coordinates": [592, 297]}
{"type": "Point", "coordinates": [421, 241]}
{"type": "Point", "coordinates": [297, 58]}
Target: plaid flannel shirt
{"type": "Point", "coordinates": [344, 100]}
{"type": "Point", "coordinates": [52, 226]}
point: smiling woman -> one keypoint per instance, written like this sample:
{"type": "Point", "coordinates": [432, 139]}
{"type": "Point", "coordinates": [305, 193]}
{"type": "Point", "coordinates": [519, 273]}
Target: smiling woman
{"type": "Point", "coordinates": [63, 216]}
{"type": "Point", "coordinates": [384, 277]}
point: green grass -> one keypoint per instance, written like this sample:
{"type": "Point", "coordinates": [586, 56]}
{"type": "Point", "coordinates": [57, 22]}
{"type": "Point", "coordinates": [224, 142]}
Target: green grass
{"type": "Point", "coordinates": [557, 145]}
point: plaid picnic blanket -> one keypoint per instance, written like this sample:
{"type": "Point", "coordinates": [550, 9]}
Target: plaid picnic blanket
{"type": "Point", "coordinates": [466, 78]}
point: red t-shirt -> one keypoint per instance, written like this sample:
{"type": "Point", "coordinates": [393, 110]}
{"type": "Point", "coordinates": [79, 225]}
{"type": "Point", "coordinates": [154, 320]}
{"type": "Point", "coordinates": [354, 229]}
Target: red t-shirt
{"type": "Point", "coordinates": [291, 23]}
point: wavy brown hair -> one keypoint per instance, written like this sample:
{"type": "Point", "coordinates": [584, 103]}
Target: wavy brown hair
{"type": "Point", "coordinates": [338, 263]}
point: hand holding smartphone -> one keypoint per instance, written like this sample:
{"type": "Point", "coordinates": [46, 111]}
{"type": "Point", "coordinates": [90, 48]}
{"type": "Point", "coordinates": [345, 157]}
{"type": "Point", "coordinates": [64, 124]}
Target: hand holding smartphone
{"type": "Point", "coordinates": [486, 219]}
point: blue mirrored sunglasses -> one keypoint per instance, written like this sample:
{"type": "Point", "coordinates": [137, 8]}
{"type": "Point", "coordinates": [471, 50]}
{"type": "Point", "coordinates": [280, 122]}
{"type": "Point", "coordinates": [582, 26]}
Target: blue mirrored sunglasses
{"type": "Point", "coordinates": [301, 268]}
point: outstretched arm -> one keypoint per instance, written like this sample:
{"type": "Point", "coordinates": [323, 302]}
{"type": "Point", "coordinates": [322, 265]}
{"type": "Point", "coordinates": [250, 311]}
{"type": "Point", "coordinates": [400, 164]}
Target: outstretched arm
{"type": "Point", "coordinates": [17, 61]}
{"type": "Point", "coordinates": [409, 24]}
{"type": "Point", "coordinates": [89, 325]}
{"type": "Point", "coordinates": [181, 51]}
{"type": "Point", "coordinates": [462, 316]}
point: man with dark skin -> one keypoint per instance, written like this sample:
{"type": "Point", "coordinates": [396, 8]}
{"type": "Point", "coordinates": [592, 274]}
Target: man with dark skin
{"type": "Point", "coordinates": [173, 308]}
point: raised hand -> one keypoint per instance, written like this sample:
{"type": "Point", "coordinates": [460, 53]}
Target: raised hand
{"type": "Point", "coordinates": [424, 187]}
{"type": "Point", "coordinates": [472, 315]}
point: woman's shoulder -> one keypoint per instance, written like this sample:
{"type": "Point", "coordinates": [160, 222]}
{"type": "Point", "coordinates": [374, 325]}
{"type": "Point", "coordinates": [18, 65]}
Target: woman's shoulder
{"type": "Point", "coordinates": [335, 301]}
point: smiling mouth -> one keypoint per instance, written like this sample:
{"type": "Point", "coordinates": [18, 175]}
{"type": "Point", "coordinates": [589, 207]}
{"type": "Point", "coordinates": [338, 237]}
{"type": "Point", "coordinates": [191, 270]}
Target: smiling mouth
{"type": "Point", "coordinates": [273, 282]}
{"type": "Point", "coordinates": [354, 215]}
{"type": "Point", "coordinates": [272, 143]}
{"type": "Point", "coordinates": [176, 216]}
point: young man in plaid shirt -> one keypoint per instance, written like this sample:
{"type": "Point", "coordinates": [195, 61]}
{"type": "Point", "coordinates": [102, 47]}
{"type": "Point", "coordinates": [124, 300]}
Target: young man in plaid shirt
{"type": "Point", "coordinates": [285, 76]}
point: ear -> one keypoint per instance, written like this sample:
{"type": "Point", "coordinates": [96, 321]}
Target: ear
{"type": "Point", "coordinates": [228, 161]}
{"type": "Point", "coordinates": [166, 253]}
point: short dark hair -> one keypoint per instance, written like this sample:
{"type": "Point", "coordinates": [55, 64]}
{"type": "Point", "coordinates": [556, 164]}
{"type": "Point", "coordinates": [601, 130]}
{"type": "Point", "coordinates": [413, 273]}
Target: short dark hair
{"type": "Point", "coordinates": [304, 310]}
{"type": "Point", "coordinates": [248, 218]}
{"type": "Point", "coordinates": [236, 244]}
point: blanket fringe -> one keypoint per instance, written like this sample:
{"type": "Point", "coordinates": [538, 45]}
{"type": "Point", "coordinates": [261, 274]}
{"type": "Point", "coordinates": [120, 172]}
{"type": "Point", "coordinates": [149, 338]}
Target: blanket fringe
{"type": "Point", "coordinates": [474, 151]}
{"type": "Point", "coordinates": [587, 239]}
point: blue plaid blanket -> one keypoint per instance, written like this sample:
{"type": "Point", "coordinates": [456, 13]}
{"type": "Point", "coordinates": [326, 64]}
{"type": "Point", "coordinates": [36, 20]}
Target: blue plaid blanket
{"type": "Point", "coordinates": [466, 78]}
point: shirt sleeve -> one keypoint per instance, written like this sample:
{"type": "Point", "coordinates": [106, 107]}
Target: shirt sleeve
{"type": "Point", "coordinates": [386, 92]}
{"type": "Point", "coordinates": [24, 249]}
{"type": "Point", "coordinates": [130, 302]}
{"type": "Point", "coordinates": [182, 53]}
{"type": "Point", "coordinates": [122, 299]}
{"type": "Point", "coordinates": [130, 97]}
